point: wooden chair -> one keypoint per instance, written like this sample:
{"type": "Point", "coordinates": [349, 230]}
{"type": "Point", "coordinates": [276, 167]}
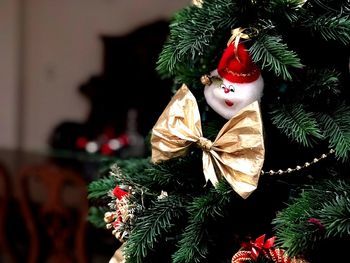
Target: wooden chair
{"type": "Point", "coordinates": [54, 204]}
{"type": "Point", "coordinates": [6, 253]}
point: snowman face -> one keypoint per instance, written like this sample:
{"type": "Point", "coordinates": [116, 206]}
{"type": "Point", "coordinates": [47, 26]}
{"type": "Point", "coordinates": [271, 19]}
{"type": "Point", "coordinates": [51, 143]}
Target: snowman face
{"type": "Point", "coordinates": [227, 98]}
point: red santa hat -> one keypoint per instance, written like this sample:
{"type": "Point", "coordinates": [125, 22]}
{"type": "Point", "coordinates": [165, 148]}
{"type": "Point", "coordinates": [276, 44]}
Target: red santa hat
{"type": "Point", "coordinates": [237, 66]}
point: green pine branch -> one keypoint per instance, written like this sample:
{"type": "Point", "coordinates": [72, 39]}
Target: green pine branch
{"type": "Point", "coordinates": [137, 173]}
{"type": "Point", "coordinates": [273, 55]}
{"type": "Point", "coordinates": [298, 124]}
{"type": "Point", "coordinates": [335, 216]}
{"type": "Point", "coordinates": [151, 227]}
{"type": "Point", "coordinates": [133, 166]}
{"type": "Point", "coordinates": [96, 215]}
{"type": "Point", "coordinates": [334, 6]}
{"type": "Point", "coordinates": [193, 245]}
{"type": "Point", "coordinates": [319, 213]}
{"type": "Point", "coordinates": [119, 171]}
{"type": "Point", "coordinates": [193, 32]}
{"type": "Point", "coordinates": [288, 9]}
{"type": "Point", "coordinates": [292, 230]}
{"type": "Point", "coordinates": [321, 81]}
{"type": "Point", "coordinates": [332, 27]}
{"type": "Point", "coordinates": [197, 39]}
{"type": "Point", "coordinates": [176, 175]}
{"type": "Point", "coordinates": [100, 188]}
{"type": "Point", "coordinates": [336, 127]}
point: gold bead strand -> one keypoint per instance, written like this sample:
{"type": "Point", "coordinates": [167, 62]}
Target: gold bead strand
{"type": "Point", "coordinates": [298, 167]}
{"type": "Point", "coordinates": [197, 2]}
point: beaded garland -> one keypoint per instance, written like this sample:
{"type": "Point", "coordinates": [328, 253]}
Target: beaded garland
{"type": "Point", "coordinates": [298, 167]}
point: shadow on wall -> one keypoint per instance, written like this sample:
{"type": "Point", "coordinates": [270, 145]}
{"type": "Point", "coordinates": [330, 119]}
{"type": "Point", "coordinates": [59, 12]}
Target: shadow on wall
{"type": "Point", "coordinates": [126, 99]}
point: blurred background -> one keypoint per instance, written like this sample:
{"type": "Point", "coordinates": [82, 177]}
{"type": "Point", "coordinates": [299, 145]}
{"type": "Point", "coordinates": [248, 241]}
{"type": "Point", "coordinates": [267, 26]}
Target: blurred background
{"type": "Point", "coordinates": [78, 86]}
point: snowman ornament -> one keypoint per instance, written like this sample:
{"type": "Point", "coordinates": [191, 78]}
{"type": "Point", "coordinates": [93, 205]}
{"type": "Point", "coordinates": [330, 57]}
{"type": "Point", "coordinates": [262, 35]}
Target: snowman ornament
{"type": "Point", "coordinates": [236, 83]}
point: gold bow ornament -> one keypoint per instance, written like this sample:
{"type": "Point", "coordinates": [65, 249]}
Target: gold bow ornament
{"type": "Point", "coordinates": [237, 153]}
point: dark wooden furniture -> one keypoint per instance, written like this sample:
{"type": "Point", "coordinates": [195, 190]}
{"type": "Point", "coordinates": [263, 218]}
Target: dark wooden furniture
{"type": "Point", "coordinates": [43, 210]}
{"type": "Point", "coordinates": [56, 221]}
{"type": "Point", "coordinates": [6, 253]}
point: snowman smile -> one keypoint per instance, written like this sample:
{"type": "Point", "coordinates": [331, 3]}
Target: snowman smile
{"type": "Point", "coordinates": [229, 103]}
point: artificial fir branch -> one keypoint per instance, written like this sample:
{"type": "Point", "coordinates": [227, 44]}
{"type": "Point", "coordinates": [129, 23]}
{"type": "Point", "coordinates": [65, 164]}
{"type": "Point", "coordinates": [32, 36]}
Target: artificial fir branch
{"type": "Point", "coordinates": [178, 175]}
{"type": "Point", "coordinates": [290, 9]}
{"type": "Point", "coordinates": [296, 123]}
{"type": "Point", "coordinates": [95, 216]}
{"type": "Point", "coordinates": [100, 188]}
{"type": "Point", "coordinates": [193, 245]}
{"type": "Point", "coordinates": [198, 36]}
{"type": "Point", "coordinates": [135, 172]}
{"type": "Point", "coordinates": [335, 6]}
{"type": "Point", "coordinates": [131, 166]}
{"type": "Point", "coordinates": [321, 81]}
{"type": "Point", "coordinates": [293, 232]}
{"type": "Point", "coordinates": [172, 176]}
{"type": "Point", "coordinates": [273, 55]}
{"type": "Point", "coordinates": [319, 213]}
{"type": "Point", "coordinates": [336, 127]}
{"type": "Point", "coordinates": [335, 216]}
{"type": "Point", "coordinates": [161, 219]}
{"type": "Point", "coordinates": [190, 74]}
{"type": "Point", "coordinates": [192, 35]}
{"type": "Point", "coordinates": [332, 28]}
{"type": "Point", "coordinates": [169, 58]}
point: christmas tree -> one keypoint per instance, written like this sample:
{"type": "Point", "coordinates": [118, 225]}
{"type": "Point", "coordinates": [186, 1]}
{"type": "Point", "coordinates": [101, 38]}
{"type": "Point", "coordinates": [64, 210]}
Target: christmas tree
{"type": "Point", "coordinates": [249, 161]}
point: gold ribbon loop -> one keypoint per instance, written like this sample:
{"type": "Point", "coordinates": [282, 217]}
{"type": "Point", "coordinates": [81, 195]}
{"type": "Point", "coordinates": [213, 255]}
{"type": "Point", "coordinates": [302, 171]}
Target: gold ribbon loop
{"type": "Point", "coordinates": [237, 154]}
{"type": "Point", "coordinates": [205, 144]}
{"type": "Point", "coordinates": [236, 35]}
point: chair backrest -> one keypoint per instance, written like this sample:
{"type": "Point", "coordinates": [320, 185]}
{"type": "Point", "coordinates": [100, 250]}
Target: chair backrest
{"type": "Point", "coordinates": [54, 204]}
{"type": "Point", "coordinates": [6, 253]}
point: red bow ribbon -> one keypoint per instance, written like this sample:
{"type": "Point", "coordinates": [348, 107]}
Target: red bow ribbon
{"type": "Point", "coordinates": [250, 252]}
{"type": "Point", "coordinates": [258, 245]}
{"type": "Point", "coordinates": [119, 193]}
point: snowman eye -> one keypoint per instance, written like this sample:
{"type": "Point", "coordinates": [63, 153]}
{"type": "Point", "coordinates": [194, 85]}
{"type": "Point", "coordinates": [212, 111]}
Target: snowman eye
{"type": "Point", "coordinates": [232, 88]}
{"type": "Point", "coordinates": [223, 86]}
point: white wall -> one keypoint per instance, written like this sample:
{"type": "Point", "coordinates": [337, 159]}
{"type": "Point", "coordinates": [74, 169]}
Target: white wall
{"type": "Point", "coordinates": [61, 50]}
{"type": "Point", "coordinates": [9, 37]}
